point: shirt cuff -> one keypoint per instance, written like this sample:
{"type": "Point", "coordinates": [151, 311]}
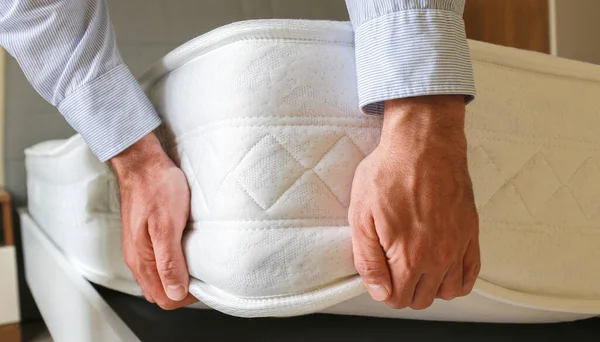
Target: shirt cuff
{"type": "Point", "coordinates": [111, 113]}
{"type": "Point", "coordinates": [409, 53]}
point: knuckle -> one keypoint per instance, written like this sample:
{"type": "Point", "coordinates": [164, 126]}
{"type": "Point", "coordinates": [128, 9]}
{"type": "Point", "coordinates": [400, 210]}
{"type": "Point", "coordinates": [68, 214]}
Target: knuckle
{"type": "Point", "coordinates": [156, 233]}
{"type": "Point", "coordinates": [146, 294]}
{"type": "Point", "coordinates": [398, 304]}
{"type": "Point", "coordinates": [473, 269]}
{"type": "Point", "coordinates": [400, 299]}
{"type": "Point", "coordinates": [129, 260]}
{"type": "Point", "coordinates": [168, 269]}
{"type": "Point", "coordinates": [166, 304]}
{"type": "Point", "coordinates": [145, 254]}
{"type": "Point", "coordinates": [450, 290]}
{"type": "Point", "coordinates": [447, 294]}
{"type": "Point", "coordinates": [413, 273]}
{"type": "Point", "coordinates": [371, 271]}
{"type": "Point", "coordinates": [466, 290]}
{"type": "Point", "coordinates": [410, 269]}
{"type": "Point", "coordinates": [422, 304]}
{"type": "Point", "coordinates": [160, 229]}
{"type": "Point", "coordinates": [361, 221]}
{"type": "Point", "coordinates": [354, 211]}
{"type": "Point", "coordinates": [441, 268]}
{"type": "Point", "coordinates": [446, 254]}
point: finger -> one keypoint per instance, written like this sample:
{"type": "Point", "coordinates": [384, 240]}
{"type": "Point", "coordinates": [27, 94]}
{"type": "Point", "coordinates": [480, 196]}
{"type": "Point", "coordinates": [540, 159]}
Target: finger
{"type": "Point", "coordinates": [131, 261]}
{"type": "Point", "coordinates": [167, 304]}
{"type": "Point", "coordinates": [145, 291]}
{"type": "Point", "coordinates": [404, 283]}
{"type": "Point", "coordinates": [170, 262]}
{"type": "Point", "coordinates": [370, 260]}
{"type": "Point", "coordinates": [451, 286]}
{"type": "Point", "coordinates": [472, 266]}
{"type": "Point", "coordinates": [426, 291]}
{"type": "Point", "coordinates": [148, 297]}
{"type": "Point", "coordinates": [155, 290]}
{"type": "Point", "coordinates": [148, 277]}
{"type": "Point", "coordinates": [140, 256]}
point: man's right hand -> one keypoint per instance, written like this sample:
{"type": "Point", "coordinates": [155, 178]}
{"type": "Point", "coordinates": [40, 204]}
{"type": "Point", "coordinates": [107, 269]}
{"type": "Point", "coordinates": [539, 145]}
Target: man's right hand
{"type": "Point", "coordinates": [155, 206]}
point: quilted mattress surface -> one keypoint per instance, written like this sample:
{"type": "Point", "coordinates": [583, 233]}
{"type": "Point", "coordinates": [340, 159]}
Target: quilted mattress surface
{"type": "Point", "coordinates": [263, 118]}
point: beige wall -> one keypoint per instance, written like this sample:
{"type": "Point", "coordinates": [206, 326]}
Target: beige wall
{"type": "Point", "coordinates": [576, 27]}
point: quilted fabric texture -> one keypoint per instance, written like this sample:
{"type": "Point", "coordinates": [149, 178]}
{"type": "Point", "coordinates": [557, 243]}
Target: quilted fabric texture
{"type": "Point", "coordinates": [263, 119]}
{"type": "Point", "coordinates": [278, 139]}
{"type": "Point", "coordinates": [534, 156]}
{"type": "Point", "coordinates": [279, 144]}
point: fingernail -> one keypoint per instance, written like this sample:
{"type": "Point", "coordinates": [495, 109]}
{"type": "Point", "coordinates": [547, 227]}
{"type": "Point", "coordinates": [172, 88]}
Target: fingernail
{"type": "Point", "coordinates": [176, 292]}
{"type": "Point", "coordinates": [378, 292]}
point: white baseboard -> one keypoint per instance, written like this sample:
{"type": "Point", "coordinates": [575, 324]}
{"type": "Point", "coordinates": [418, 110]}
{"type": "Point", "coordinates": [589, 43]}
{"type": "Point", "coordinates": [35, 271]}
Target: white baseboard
{"type": "Point", "coordinates": [9, 290]}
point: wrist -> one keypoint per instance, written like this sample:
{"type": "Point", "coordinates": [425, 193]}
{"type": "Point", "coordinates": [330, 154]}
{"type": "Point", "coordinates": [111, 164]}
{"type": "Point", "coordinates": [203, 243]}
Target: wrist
{"type": "Point", "coordinates": [144, 155]}
{"type": "Point", "coordinates": [439, 117]}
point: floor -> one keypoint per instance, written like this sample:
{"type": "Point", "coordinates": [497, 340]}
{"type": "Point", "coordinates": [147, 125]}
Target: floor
{"type": "Point", "coordinates": [31, 332]}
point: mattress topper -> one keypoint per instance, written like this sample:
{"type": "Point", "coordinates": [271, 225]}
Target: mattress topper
{"type": "Point", "coordinates": [263, 118]}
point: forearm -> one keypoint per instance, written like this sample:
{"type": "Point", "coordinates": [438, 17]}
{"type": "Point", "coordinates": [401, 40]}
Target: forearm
{"type": "Point", "coordinates": [410, 48]}
{"type": "Point", "coordinates": [67, 50]}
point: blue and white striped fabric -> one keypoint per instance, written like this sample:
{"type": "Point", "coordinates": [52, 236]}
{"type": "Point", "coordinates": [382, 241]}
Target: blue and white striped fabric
{"type": "Point", "coordinates": [68, 52]}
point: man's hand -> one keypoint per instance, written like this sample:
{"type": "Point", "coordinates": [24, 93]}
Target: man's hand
{"type": "Point", "coordinates": [155, 205]}
{"type": "Point", "coordinates": [415, 228]}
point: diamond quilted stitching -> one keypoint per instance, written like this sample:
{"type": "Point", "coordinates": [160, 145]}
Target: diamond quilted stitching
{"type": "Point", "coordinates": [209, 172]}
{"type": "Point", "coordinates": [565, 161]}
{"type": "Point", "coordinates": [308, 144]}
{"type": "Point", "coordinates": [536, 183]}
{"type": "Point", "coordinates": [485, 175]}
{"type": "Point", "coordinates": [234, 202]}
{"type": "Point", "coordinates": [508, 164]}
{"type": "Point", "coordinates": [296, 173]}
{"type": "Point", "coordinates": [197, 201]}
{"type": "Point", "coordinates": [556, 185]}
{"type": "Point", "coordinates": [365, 139]}
{"type": "Point", "coordinates": [507, 200]}
{"type": "Point", "coordinates": [308, 198]}
{"type": "Point", "coordinates": [585, 185]}
{"type": "Point", "coordinates": [333, 169]}
{"type": "Point", "coordinates": [562, 209]}
{"type": "Point", "coordinates": [267, 171]}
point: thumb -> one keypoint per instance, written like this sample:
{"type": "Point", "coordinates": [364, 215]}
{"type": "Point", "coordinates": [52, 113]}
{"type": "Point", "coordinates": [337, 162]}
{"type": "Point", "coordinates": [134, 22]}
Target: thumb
{"type": "Point", "coordinates": [370, 260]}
{"type": "Point", "coordinates": [171, 265]}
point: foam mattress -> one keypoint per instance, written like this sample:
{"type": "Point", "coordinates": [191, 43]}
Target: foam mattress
{"type": "Point", "coordinates": [263, 118]}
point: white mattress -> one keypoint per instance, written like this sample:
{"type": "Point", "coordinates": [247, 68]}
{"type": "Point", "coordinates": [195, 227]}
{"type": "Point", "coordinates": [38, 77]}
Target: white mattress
{"type": "Point", "coordinates": [263, 118]}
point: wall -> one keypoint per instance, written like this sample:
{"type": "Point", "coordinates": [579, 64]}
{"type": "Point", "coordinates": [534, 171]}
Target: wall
{"type": "Point", "coordinates": [522, 24]}
{"type": "Point", "coordinates": [146, 30]}
{"type": "Point", "coordinates": [576, 28]}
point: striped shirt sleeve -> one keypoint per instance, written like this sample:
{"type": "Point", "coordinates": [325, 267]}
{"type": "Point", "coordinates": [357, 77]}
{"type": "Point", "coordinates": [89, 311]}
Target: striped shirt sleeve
{"type": "Point", "coordinates": [407, 48]}
{"type": "Point", "coordinates": [68, 52]}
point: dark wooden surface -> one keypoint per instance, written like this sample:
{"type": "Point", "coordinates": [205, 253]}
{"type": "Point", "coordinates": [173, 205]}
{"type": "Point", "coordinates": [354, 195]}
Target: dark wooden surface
{"type": "Point", "coordinates": [7, 222]}
{"type": "Point", "coordinates": [522, 24]}
{"type": "Point", "coordinates": [10, 333]}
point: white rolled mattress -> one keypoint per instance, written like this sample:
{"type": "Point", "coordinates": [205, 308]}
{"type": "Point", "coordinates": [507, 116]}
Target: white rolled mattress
{"type": "Point", "coordinates": [263, 118]}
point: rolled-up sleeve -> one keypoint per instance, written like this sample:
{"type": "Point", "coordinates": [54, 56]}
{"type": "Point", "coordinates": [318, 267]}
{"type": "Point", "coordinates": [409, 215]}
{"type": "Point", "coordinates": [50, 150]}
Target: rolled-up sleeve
{"type": "Point", "coordinates": [407, 48]}
{"type": "Point", "coordinates": [67, 50]}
